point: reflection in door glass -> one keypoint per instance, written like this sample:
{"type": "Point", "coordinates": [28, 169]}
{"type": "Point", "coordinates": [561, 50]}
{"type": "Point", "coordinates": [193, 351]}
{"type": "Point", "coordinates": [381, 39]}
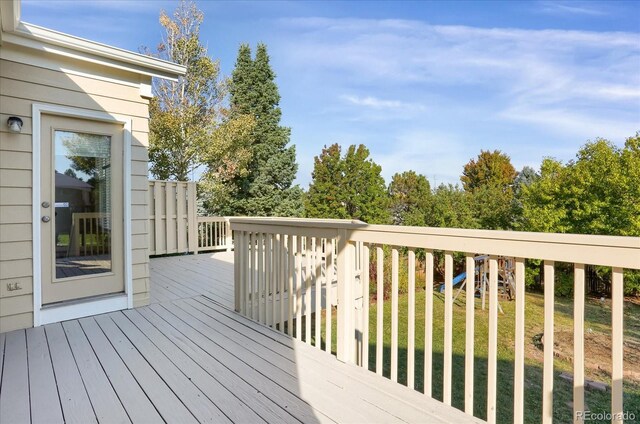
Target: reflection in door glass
{"type": "Point", "coordinates": [82, 204]}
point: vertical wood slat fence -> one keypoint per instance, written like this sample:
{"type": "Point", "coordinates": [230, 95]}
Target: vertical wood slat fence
{"type": "Point", "coordinates": [287, 269]}
{"type": "Point", "coordinates": [174, 224]}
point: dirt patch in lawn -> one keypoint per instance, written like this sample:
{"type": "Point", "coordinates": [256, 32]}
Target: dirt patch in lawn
{"type": "Point", "coordinates": [597, 354]}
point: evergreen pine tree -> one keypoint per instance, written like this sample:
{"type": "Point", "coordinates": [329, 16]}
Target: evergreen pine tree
{"type": "Point", "coordinates": [268, 188]}
{"type": "Point", "coordinates": [349, 187]}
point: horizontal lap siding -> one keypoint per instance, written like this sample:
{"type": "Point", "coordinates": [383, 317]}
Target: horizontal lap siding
{"type": "Point", "coordinates": [87, 86]}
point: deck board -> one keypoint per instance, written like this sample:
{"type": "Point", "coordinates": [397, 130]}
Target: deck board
{"type": "Point", "coordinates": [322, 366]}
{"type": "Point", "coordinates": [240, 385]}
{"type": "Point", "coordinates": [179, 277]}
{"type": "Point", "coordinates": [104, 399]}
{"type": "Point", "coordinates": [200, 283]}
{"type": "Point", "coordinates": [138, 406]}
{"type": "Point", "coordinates": [202, 408]}
{"type": "Point", "coordinates": [166, 402]}
{"type": "Point", "coordinates": [317, 392]}
{"type": "Point", "coordinates": [394, 394]}
{"type": "Point", "coordinates": [285, 367]}
{"type": "Point", "coordinates": [2, 338]}
{"type": "Point", "coordinates": [45, 404]}
{"type": "Point", "coordinates": [198, 333]}
{"type": "Point", "coordinates": [230, 405]}
{"type": "Point", "coordinates": [188, 357]}
{"type": "Point", "coordinates": [14, 397]}
{"type": "Point", "coordinates": [74, 399]}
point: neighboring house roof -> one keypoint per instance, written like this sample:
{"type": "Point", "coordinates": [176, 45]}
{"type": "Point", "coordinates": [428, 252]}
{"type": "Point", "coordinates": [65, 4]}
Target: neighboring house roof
{"type": "Point", "coordinates": [67, 181]}
{"type": "Point", "coordinates": [14, 31]}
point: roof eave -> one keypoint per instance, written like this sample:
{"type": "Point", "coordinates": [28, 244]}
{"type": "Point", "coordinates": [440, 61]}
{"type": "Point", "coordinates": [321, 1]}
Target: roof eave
{"type": "Point", "coordinates": [45, 39]}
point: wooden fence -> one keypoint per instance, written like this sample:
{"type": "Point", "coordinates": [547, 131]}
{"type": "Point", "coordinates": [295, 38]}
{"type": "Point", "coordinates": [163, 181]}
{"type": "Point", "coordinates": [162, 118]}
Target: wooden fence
{"type": "Point", "coordinates": [175, 226]}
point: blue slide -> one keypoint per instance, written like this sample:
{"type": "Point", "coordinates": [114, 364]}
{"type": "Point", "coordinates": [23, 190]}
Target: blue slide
{"type": "Point", "coordinates": [457, 280]}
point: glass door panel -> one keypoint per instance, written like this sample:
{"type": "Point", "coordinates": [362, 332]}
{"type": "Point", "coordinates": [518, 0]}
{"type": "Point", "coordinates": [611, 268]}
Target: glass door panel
{"type": "Point", "coordinates": [83, 219]}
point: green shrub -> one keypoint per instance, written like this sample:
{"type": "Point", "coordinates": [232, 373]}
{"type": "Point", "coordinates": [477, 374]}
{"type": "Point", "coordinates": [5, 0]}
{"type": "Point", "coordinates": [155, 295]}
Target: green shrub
{"type": "Point", "coordinates": [632, 283]}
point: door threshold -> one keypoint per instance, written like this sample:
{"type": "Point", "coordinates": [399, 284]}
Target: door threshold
{"type": "Point", "coordinates": [81, 308]}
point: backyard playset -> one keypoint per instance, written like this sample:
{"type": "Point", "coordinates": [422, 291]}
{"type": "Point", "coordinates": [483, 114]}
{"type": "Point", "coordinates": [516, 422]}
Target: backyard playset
{"type": "Point", "coordinates": [506, 286]}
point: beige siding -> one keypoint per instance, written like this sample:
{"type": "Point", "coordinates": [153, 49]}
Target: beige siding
{"type": "Point", "coordinates": [28, 77]}
{"type": "Point", "coordinates": [14, 142]}
{"type": "Point", "coordinates": [15, 177]}
{"type": "Point", "coordinates": [24, 285]}
{"type": "Point", "coordinates": [15, 196]}
{"type": "Point", "coordinates": [141, 299]}
{"type": "Point", "coordinates": [15, 214]}
{"type": "Point", "coordinates": [18, 250]}
{"type": "Point", "coordinates": [15, 232]}
{"type": "Point", "coordinates": [13, 322]}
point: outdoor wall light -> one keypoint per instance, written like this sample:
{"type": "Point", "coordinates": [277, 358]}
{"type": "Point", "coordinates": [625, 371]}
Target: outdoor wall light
{"type": "Point", "coordinates": [15, 124]}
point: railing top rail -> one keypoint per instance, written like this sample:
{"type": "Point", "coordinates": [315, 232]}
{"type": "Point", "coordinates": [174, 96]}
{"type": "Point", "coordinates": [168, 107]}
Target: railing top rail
{"type": "Point", "coordinates": [91, 214]}
{"type": "Point", "coordinates": [212, 218]}
{"type": "Point", "coordinates": [300, 222]}
{"type": "Point", "coordinates": [573, 239]}
{"type": "Point", "coordinates": [172, 182]}
{"type": "Point", "coordinates": [617, 251]}
{"type": "Point", "coordinates": [560, 238]}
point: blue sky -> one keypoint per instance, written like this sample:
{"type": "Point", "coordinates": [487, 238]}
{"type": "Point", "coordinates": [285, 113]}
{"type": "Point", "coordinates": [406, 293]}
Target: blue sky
{"type": "Point", "coordinates": [424, 85]}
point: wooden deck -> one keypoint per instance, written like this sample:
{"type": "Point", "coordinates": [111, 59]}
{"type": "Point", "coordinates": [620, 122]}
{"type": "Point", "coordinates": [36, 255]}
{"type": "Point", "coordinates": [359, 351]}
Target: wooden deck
{"type": "Point", "coordinates": [189, 358]}
{"type": "Point", "coordinates": [179, 277]}
{"type": "Point", "coordinates": [82, 265]}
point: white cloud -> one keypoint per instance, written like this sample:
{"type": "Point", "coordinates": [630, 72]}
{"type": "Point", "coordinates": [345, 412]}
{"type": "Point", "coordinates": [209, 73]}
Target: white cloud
{"type": "Point", "coordinates": [373, 102]}
{"type": "Point", "coordinates": [435, 155]}
{"type": "Point", "coordinates": [572, 8]}
{"type": "Point", "coordinates": [386, 105]}
{"type": "Point", "coordinates": [573, 123]}
{"type": "Point", "coordinates": [429, 97]}
{"type": "Point", "coordinates": [541, 70]}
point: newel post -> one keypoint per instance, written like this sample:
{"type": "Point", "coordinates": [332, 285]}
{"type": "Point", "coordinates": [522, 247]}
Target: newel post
{"type": "Point", "coordinates": [228, 235]}
{"type": "Point", "coordinates": [346, 340]}
{"type": "Point", "coordinates": [237, 278]}
{"type": "Point", "coordinates": [192, 217]}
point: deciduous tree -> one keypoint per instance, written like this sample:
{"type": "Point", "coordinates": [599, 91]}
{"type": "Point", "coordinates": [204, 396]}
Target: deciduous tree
{"type": "Point", "coordinates": [490, 179]}
{"type": "Point", "coordinates": [189, 126]}
{"type": "Point", "coordinates": [409, 198]}
{"type": "Point", "coordinates": [490, 168]}
{"type": "Point", "coordinates": [452, 207]}
{"type": "Point", "coordinates": [597, 193]}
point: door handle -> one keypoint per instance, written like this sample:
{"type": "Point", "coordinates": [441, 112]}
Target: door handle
{"type": "Point", "coordinates": [46, 218]}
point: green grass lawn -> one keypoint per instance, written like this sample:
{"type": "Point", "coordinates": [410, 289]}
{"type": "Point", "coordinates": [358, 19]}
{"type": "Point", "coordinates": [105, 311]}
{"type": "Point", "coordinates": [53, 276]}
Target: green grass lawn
{"type": "Point", "coordinates": [89, 239]}
{"type": "Point", "coordinates": [597, 330]}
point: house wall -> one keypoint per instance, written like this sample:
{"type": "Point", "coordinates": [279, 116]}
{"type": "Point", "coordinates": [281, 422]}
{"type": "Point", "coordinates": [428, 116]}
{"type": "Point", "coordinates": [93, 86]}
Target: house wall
{"type": "Point", "coordinates": [26, 77]}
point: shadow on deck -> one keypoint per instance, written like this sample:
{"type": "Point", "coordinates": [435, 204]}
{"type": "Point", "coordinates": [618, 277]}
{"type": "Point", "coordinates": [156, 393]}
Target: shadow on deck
{"type": "Point", "coordinates": [189, 358]}
{"type": "Point", "coordinates": [181, 277]}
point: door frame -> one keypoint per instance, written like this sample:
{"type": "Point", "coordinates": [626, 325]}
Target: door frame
{"type": "Point", "coordinates": [80, 308]}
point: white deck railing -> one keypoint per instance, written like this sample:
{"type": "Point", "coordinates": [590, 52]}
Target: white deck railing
{"type": "Point", "coordinates": [90, 234]}
{"type": "Point", "coordinates": [285, 269]}
{"type": "Point", "coordinates": [214, 233]}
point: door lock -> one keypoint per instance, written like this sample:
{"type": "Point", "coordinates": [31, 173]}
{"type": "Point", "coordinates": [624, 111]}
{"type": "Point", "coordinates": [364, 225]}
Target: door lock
{"type": "Point", "coordinates": [46, 219]}
{"type": "Point", "coordinates": [45, 204]}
